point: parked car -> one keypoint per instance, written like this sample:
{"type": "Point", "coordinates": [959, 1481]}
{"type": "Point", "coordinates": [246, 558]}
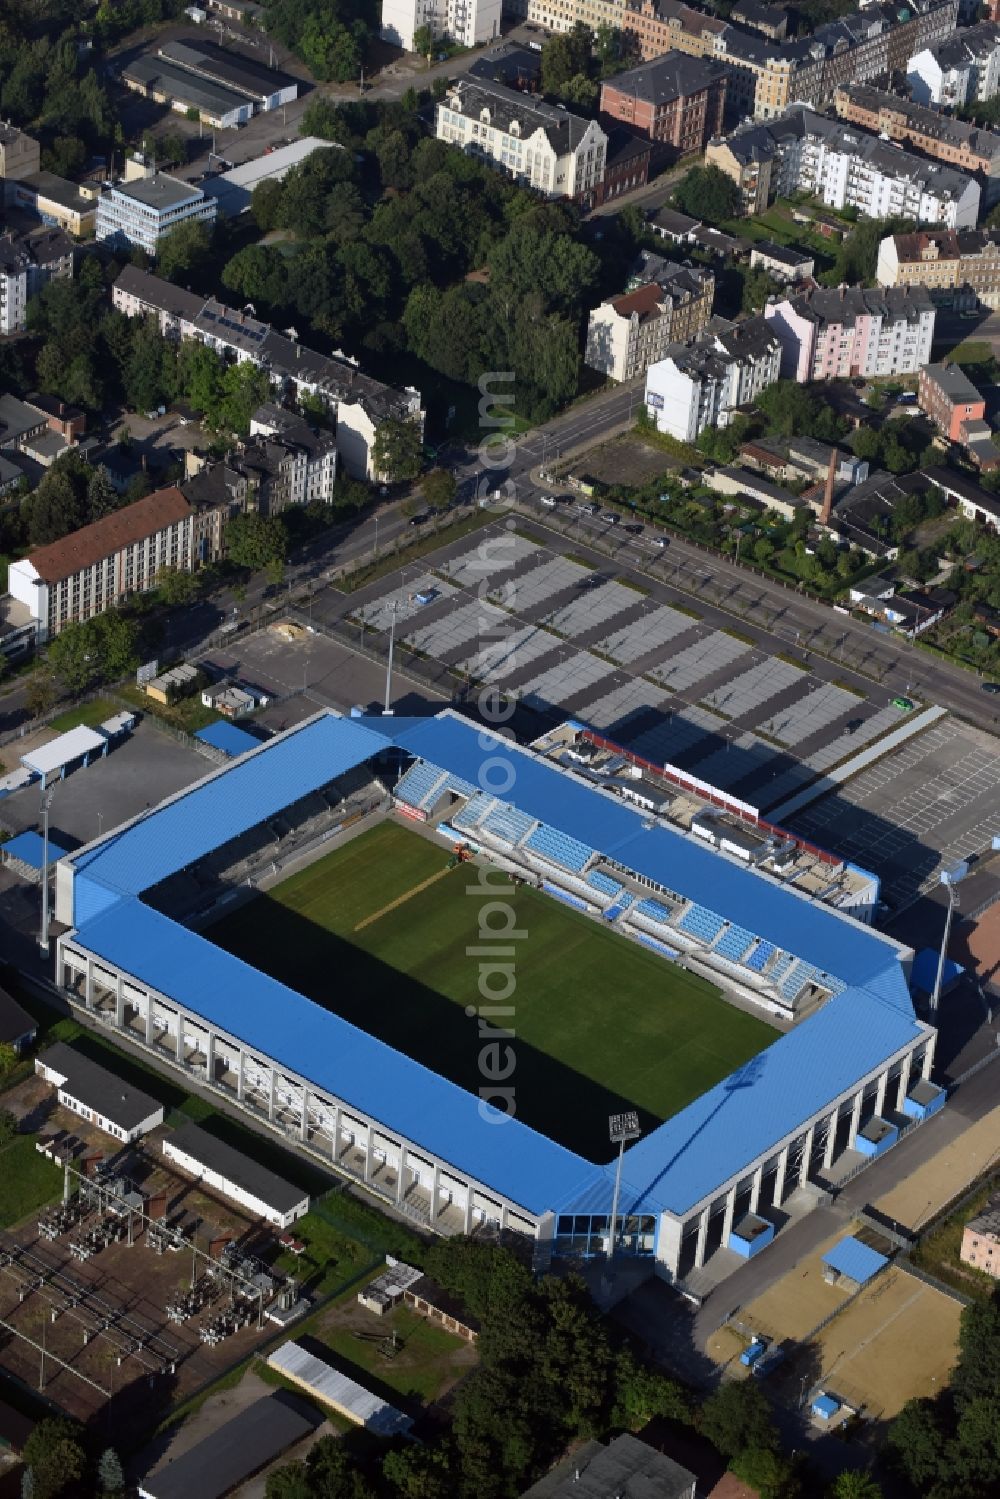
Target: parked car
{"type": "Point", "coordinates": [421, 519]}
{"type": "Point", "coordinates": [612, 517]}
{"type": "Point", "coordinates": [992, 687]}
{"type": "Point", "coordinates": [903, 704]}
{"type": "Point", "coordinates": [549, 501]}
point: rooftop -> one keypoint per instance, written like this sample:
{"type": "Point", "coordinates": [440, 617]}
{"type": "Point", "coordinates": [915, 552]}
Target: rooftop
{"type": "Point", "coordinates": [232, 69]}
{"type": "Point", "coordinates": [626, 1468]}
{"type": "Point", "coordinates": [234, 1451]}
{"type": "Point", "coordinates": [97, 1088]}
{"type": "Point", "coordinates": [58, 190]}
{"type": "Point", "coordinates": [242, 1170]}
{"type": "Point", "coordinates": [161, 76]}
{"type": "Point", "coordinates": [15, 1022]}
{"type": "Point", "coordinates": [783, 254]}
{"type": "Point", "coordinates": [953, 382]}
{"type": "Point", "coordinates": [928, 123]}
{"type": "Point", "coordinates": [505, 106]}
{"type": "Point", "coordinates": [104, 537]}
{"type": "Point", "coordinates": [159, 192]}
{"type": "Point", "coordinates": [675, 75]}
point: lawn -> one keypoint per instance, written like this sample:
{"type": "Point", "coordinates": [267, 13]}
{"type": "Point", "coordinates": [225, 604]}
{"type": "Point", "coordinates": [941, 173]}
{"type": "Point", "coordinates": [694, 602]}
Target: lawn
{"type": "Point", "coordinates": [424, 1364]}
{"type": "Point", "coordinates": [938, 1251]}
{"type": "Point", "coordinates": [29, 1180]}
{"type": "Point", "coordinates": [380, 931]}
{"type": "Point", "coordinates": [90, 714]}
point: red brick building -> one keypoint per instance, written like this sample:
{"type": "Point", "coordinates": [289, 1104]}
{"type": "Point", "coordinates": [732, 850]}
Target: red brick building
{"type": "Point", "coordinates": [950, 399]}
{"type": "Point", "coordinates": [675, 100]}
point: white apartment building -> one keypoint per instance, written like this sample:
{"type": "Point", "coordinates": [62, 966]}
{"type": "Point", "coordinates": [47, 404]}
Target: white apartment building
{"type": "Point", "coordinates": [299, 465]}
{"type": "Point", "coordinates": [468, 22]}
{"type": "Point", "coordinates": [359, 403]}
{"type": "Point", "coordinates": [834, 333]}
{"type": "Point", "coordinates": [27, 262]}
{"type": "Point", "coordinates": [540, 145]}
{"type": "Point", "coordinates": [93, 569]}
{"type": "Point", "coordinates": [701, 384]}
{"type": "Point", "coordinates": [144, 208]}
{"type": "Point", "coordinates": [963, 69]}
{"type": "Point", "coordinates": [627, 334]}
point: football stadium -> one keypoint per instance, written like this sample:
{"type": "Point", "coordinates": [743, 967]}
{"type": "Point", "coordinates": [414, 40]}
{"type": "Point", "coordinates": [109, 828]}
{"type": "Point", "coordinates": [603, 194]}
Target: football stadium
{"type": "Point", "coordinates": [483, 950]}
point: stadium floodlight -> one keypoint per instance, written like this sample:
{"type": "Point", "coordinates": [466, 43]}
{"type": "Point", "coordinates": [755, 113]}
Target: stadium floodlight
{"type": "Point", "coordinates": [43, 936]}
{"type": "Point", "coordinates": [621, 1128]}
{"type": "Point", "coordinates": [950, 879]}
{"type": "Point", "coordinates": [393, 608]}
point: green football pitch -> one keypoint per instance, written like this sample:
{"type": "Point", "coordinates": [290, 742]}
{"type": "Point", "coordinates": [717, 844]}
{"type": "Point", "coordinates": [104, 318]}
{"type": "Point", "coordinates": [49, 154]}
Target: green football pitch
{"type": "Point", "coordinates": [380, 932]}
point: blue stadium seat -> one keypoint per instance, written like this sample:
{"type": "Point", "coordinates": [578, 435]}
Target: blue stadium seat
{"type": "Point", "coordinates": [458, 787]}
{"type": "Point", "coordinates": [733, 943]}
{"type": "Point", "coordinates": [653, 911]}
{"type": "Point", "coordinates": [762, 954]}
{"type": "Point", "coordinates": [604, 883]}
{"type": "Point", "coordinates": [508, 824]}
{"type": "Point", "coordinates": [781, 967]}
{"type": "Point", "coordinates": [559, 848]}
{"type": "Point", "coordinates": [419, 783]}
{"type": "Point", "coordinates": [699, 921]}
{"type": "Point", "coordinates": [625, 900]}
{"type": "Point", "coordinates": [798, 974]}
{"type": "Point", "coordinates": [473, 812]}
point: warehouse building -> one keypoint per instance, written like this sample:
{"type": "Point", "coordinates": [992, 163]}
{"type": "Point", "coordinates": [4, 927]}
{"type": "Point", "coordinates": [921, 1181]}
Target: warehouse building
{"type": "Point", "coordinates": [265, 87]}
{"type": "Point", "coordinates": [155, 78]}
{"type": "Point", "coordinates": [235, 1176]}
{"type": "Point", "coordinates": [358, 1104]}
{"type": "Point", "coordinates": [97, 1095]}
{"type": "Point", "coordinates": [233, 190]}
{"type": "Point", "coordinates": [234, 1452]}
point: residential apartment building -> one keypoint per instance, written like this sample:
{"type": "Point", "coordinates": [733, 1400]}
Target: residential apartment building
{"type": "Point", "coordinates": [551, 150]}
{"type": "Point", "coordinates": [675, 100]}
{"type": "Point", "coordinates": [803, 151]}
{"type": "Point", "coordinates": [20, 154]}
{"type": "Point", "coordinates": [629, 333]}
{"type": "Point", "coordinates": [27, 262]}
{"type": "Point", "coordinates": [95, 568]}
{"type": "Point", "coordinates": [361, 405]}
{"type": "Point", "coordinates": [468, 22]}
{"type": "Point", "coordinates": [770, 20]}
{"type": "Point", "coordinates": [831, 333]}
{"type": "Point", "coordinates": [701, 383]}
{"type": "Point", "coordinates": [981, 1242]}
{"type": "Point", "coordinates": [947, 395]}
{"type": "Point", "coordinates": [939, 135]}
{"type": "Point", "coordinates": [964, 68]}
{"type": "Point", "coordinates": [781, 262]}
{"type": "Point", "coordinates": [959, 269]}
{"type": "Point", "coordinates": [142, 210]}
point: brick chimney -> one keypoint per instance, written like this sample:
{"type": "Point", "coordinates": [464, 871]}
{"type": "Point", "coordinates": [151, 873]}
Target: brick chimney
{"type": "Point", "coordinates": [831, 475]}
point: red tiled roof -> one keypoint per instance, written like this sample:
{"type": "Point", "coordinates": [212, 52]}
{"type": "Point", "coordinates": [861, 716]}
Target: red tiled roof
{"type": "Point", "coordinates": [122, 528]}
{"type": "Point", "coordinates": [645, 300]}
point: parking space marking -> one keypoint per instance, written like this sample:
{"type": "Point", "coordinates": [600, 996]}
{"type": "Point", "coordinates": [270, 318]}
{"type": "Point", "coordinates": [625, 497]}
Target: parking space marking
{"type": "Point", "coordinates": [592, 607]}
{"type": "Point", "coordinates": [420, 592]}
{"type": "Point", "coordinates": [656, 628]}
{"type": "Point", "coordinates": [699, 660]}
{"type": "Point", "coordinates": [752, 688]}
{"type": "Point", "coordinates": [810, 713]}
{"type": "Point", "coordinates": [564, 681]}
{"type": "Point", "coordinates": [497, 553]}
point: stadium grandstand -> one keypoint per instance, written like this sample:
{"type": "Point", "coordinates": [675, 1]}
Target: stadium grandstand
{"type": "Point", "coordinates": [698, 881]}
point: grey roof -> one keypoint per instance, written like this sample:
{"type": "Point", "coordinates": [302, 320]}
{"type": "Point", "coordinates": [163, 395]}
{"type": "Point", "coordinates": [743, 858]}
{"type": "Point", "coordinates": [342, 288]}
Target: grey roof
{"type": "Point", "coordinates": [759, 486]}
{"type": "Point", "coordinates": [160, 192]}
{"type": "Point", "coordinates": [66, 194]}
{"type": "Point", "coordinates": [968, 44]}
{"type": "Point", "coordinates": [98, 1089]}
{"type": "Point", "coordinates": [987, 1223]}
{"type": "Point", "coordinates": [952, 380]}
{"type": "Point", "coordinates": [508, 63]}
{"type": "Point", "coordinates": [627, 1467]}
{"type": "Point", "coordinates": [929, 122]}
{"type": "Point", "coordinates": [719, 345]}
{"type": "Point", "coordinates": [563, 129]}
{"type": "Point", "coordinates": [784, 254]}
{"type": "Point", "coordinates": [177, 83]}
{"type": "Point", "coordinates": [37, 247]}
{"type": "Point", "coordinates": [240, 1169]}
{"type": "Point", "coordinates": [755, 13]}
{"type": "Point", "coordinates": [949, 478]}
{"type": "Point", "coordinates": [675, 75]}
{"type": "Point", "coordinates": [844, 304]}
{"type": "Point", "coordinates": [16, 419]}
{"type": "Point", "coordinates": [673, 222]}
{"type": "Point", "coordinates": [234, 1451]}
{"type": "Point", "coordinates": [15, 1022]}
{"type": "Point", "coordinates": [232, 69]}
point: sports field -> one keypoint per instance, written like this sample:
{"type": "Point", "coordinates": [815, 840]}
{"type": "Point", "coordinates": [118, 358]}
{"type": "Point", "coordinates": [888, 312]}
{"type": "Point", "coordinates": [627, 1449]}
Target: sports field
{"type": "Point", "coordinates": [379, 932]}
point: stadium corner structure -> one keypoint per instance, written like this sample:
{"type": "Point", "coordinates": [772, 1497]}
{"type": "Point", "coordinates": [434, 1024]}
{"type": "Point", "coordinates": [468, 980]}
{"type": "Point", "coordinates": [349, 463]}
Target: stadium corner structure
{"type": "Point", "coordinates": [743, 1147]}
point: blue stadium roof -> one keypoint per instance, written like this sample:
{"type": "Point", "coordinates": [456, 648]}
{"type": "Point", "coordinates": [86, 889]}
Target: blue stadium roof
{"type": "Point", "coordinates": [676, 1166]}
{"type": "Point", "coordinates": [400, 1094]}
{"type": "Point", "coordinates": [855, 1260]}
{"type": "Point", "coordinates": [228, 737]}
{"type": "Point", "coordinates": [29, 849]}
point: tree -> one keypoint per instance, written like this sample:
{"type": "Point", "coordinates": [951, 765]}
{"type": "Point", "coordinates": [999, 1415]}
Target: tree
{"type": "Point", "coordinates": [40, 694]}
{"type": "Point", "coordinates": [289, 1482]}
{"type": "Point", "coordinates": [438, 488]}
{"type": "Point", "coordinates": [184, 251]}
{"type": "Point", "coordinates": [176, 587]}
{"type": "Point", "coordinates": [8, 1058]}
{"type": "Point", "coordinates": [866, 443]}
{"type": "Point", "coordinates": [244, 387]}
{"type": "Point", "coordinates": [55, 1455]}
{"type": "Point", "coordinates": [110, 1474]}
{"type": "Point", "coordinates": [564, 57]}
{"type": "Point", "coordinates": [707, 193]}
{"type": "Point", "coordinates": [977, 1372]}
{"type": "Point", "coordinates": [252, 541]}
{"type": "Point", "coordinates": [99, 649]}
{"type": "Point", "coordinates": [736, 1416]}
{"type": "Point", "coordinates": [8, 1126]}
{"type": "Point", "coordinates": [102, 497]}
{"type": "Point", "coordinates": [396, 451]}
{"type": "Point", "coordinates": [917, 1442]}
{"type": "Point", "coordinates": [423, 42]}
{"type": "Point", "coordinates": [758, 285]}
{"type": "Point", "coordinates": [789, 409]}
{"type": "Point", "coordinates": [265, 204]}
{"type": "Point", "coordinates": [770, 1474]}
{"type": "Point", "coordinates": [855, 1485]}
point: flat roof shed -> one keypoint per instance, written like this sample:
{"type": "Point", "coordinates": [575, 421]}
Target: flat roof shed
{"type": "Point", "coordinates": [28, 850]}
{"type": "Point", "coordinates": [236, 1175]}
{"type": "Point", "coordinates": [233, 1452]}
{"type": "Point", "coordinates": [337, 1390]}
{"type": "Point", "coordinates": [229, 738]}
{"type": "Point", "coordinates": [52, 759]}
{"type": "Point", "coordinates": [93, 1092]}
{"type": "Point", "coordinates": [851, 1260]}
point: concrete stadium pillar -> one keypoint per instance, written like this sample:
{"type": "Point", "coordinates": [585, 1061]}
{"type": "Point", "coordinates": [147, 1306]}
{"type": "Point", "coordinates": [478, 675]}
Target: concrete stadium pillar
{"type": "Point", "coordinates": [210, 1056]}
{"type": "Point", "coordinates": [435, 1189]}
{"type": "Point", "coordinates": [758, 1177]}
{"type": "Point", "coordinates": [120, 1002]}
{"type": "Point", "coordinates": [831, 1138]}
{"type": "Point", "coordinates": [904, 1081]}
{"type": "Point", "coordinates": [852, 1133]}
{"type": "Point", "coordinates": [727, 1220]}
{"type": "Point", "coordinates": [241, 1075]}
{"type": "Point", "coordinates": [929, 1056]}
{"type": "Point", "coordinates": [779, 1179]}
{"type": "Point", "coordinates": [150, 1032]}
{"type": "Point", "coordinates": [179, 1038]}
{"type": "Point", "coordinates": [503, 1216]}
{"type": "Point", "coordinates": [369, 1152]}
{"type": "Point", "coordinates": [702, 1240]}
{"type": "Point", "coordinates": [468, 1208]}
{"type": "Point", "coordinates": [400, 1174]}
{"type": "Point", "coordinates": [271, 1099]}
{"type": "Point", "coordinates": [88, 985]}
{"type": "Point", "coordinates": [304, 1121]}
{"type": "Point", "coordinates": [335, 1150]}
{"type": "Point", "coordinates": [880, 1092]}
{"type": "Point", "coordinates": [807, 1151]}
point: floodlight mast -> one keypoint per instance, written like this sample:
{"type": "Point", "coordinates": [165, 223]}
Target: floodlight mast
{"type": "Point", "coordinates": [43, 936]}
{"type": "Point", "coordinates": [621, 1128]}
{"type": "Point", "coordinates": [950, 879]}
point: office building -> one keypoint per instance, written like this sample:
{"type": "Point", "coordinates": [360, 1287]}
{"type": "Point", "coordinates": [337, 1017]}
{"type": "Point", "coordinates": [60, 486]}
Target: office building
{"type": "Point", "coordinates": [140, 212]}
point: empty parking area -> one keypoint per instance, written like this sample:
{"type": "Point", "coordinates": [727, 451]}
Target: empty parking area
{"type": "Point", "coordinates": [657, 628]}
{"type": "Point", "coordinates": [703, 659]}
{"type": "Point", "coordinates": [592, 607]}
{"type": "Point", "coordinates": [497, 552]}
{"type": "Point", "coordinates": [749, 691]}
{"type": "Point", "coordinates": [817, 710]}
{"type": "Point", "coordinates": [930, 803]}
{"type": "Point", "coordinates": [419, 592]}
